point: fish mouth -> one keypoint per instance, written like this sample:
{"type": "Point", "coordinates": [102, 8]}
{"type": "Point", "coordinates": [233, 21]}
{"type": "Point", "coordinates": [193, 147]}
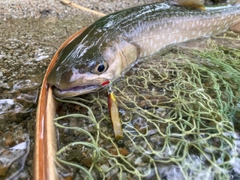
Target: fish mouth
{"type": "Point", "coordinates": [75, 91]}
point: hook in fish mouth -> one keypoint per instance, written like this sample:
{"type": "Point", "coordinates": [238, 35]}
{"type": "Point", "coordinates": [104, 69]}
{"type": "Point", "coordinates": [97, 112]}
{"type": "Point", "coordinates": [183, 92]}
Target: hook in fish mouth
{"type": "Point", "coordinates": [75, 91]}
{"type": "Point", "coordinates": [78, 90]}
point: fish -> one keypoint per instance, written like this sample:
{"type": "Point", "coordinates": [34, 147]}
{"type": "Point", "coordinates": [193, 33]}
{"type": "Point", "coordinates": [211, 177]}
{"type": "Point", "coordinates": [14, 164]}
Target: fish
{"type": "Point", "coordinates": [107, 49]}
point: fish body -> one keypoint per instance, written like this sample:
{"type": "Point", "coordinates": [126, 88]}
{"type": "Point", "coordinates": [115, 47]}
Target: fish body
{"type": "Point", "coordinates": [110, 45]}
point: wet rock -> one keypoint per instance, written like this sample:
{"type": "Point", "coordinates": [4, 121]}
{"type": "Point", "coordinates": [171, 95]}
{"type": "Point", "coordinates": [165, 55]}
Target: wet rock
{"type": "Point", "coordinates": [29, 98]}
{"type": "Point", "coordinates": [12, 111]}
{"type": "Point", "coordinates": [14, 148]}
{"type": "Point", "coordinates": [25, 85]}
{"type": "Point", "coordinates": [12, 160]}
{"type": "Point", "coordinates": [6, 105]}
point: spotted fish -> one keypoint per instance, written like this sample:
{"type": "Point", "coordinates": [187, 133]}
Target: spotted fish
{"type": "Point", "coordinates": [109, 46]}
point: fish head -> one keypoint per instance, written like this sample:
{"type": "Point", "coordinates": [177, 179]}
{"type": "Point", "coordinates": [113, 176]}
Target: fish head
{"type": "Point", "coordinates": [85, 68]}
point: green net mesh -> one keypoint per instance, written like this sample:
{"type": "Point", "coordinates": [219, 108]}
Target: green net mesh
{"type": "Point", "coordinates": [180, 115]}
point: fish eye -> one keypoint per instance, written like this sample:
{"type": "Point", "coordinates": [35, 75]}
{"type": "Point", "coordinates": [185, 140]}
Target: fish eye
{"type": "Point", "coordinates": [100, 68]}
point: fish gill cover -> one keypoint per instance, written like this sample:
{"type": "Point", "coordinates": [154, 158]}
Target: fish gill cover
{"type": "Point", "coordinates": [180, 114]}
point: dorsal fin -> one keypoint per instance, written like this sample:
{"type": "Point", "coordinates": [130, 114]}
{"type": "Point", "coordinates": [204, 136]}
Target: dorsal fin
{"type": "Point", "coordinates": [198, 4]}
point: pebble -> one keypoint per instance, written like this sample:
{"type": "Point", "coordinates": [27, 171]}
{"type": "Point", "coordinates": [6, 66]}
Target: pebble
{"type": "Point", "coordinates": [104, 167]}
{"type": "Point", "coordinates": [138, 161]}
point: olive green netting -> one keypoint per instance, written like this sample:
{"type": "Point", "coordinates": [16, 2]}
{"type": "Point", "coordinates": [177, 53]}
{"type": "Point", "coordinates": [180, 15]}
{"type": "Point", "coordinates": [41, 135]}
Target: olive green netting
{"type": "Point", "coordinates": [179, 112]}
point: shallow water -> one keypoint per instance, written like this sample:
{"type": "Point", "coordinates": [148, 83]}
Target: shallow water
{"type": "Point", "coordinates": [26, 48]}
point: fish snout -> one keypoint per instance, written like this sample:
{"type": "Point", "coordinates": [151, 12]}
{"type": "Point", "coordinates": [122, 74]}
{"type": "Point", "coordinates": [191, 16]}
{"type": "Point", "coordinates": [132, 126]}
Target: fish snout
{"type": "Point", "coordinates": [60, 80]}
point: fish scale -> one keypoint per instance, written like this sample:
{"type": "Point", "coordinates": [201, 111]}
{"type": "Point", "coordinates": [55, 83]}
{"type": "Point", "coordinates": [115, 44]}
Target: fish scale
{"type": "Point", "coordinates": [117, 40]}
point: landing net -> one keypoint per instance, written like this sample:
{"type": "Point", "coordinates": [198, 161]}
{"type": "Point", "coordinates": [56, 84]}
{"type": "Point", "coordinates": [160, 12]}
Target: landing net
{"type": "Point", "coordinates": [180, 115]}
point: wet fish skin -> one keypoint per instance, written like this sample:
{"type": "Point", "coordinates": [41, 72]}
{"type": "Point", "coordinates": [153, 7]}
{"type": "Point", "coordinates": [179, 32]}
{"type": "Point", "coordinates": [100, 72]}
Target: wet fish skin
{"type": "Point", "coordinates": [119, 39]}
